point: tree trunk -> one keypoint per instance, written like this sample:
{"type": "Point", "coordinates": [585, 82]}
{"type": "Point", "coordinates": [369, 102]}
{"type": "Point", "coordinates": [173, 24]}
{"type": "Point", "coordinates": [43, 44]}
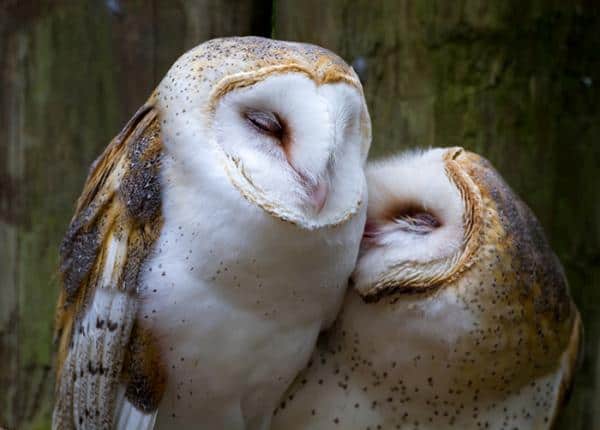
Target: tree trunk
{"type": "Point", "coordinates": [517, 81]}
{"type": "Point", "coordinates": [72, 74]}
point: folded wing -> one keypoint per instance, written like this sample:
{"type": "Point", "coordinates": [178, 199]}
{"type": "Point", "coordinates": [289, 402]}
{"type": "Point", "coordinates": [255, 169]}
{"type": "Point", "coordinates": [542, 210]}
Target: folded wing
{"type": "Point", "coordinates": [116, 222]}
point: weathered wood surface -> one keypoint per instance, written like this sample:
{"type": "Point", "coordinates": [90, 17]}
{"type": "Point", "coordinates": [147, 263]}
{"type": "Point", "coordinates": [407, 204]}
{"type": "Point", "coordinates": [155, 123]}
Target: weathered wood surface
{"type": "Point", "coordinates": [515, 80]}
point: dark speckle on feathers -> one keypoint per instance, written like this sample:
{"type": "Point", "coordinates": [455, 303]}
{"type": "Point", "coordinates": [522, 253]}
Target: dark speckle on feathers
{"type": "Point", "coordinates": [78, 255]}
{"type": "Point", "coordinates": [140, 188]}
{"type": "Point", "coordinates": [112, 326]}
{"type": "Point", "coordinates": [144, 372]}
{"type": "Point", "coordinates": [535, 261]}
{"type": "Point", "coordinates": [139, 191]}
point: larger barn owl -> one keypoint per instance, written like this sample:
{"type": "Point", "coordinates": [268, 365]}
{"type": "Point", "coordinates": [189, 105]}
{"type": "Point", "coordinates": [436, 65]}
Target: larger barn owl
{"type": "Point", "coordinates": [213, 240]}
{"type": "Point", "coordinates": [459, 318]}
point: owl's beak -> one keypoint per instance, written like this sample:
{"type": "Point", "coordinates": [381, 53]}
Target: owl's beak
{"type": "Point", "coordinates": [318, 195]}
{"type": "Point", "coordinates": [316, 191]}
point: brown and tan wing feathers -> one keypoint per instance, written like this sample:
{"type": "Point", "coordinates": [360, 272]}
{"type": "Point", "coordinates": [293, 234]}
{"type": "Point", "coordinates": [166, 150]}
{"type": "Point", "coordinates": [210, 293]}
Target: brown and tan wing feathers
{"type": "Point", "coordinates": [116, 222]}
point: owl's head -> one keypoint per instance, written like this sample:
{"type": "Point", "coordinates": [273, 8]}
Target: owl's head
{"type": "Point", "coordinates": [287, 121]}
{"type": "Point", "coordinates": [447, 240]}
{"type": "Point", "coordinates": [433, 215]}
{"type": "Point", "coordinates": [418, 223]}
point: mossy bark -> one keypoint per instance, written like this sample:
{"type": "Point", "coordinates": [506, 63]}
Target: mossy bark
{"type": "Point", "coordinates": [517, 81]}
{"type": "Point", "coordinates": [71, 74]}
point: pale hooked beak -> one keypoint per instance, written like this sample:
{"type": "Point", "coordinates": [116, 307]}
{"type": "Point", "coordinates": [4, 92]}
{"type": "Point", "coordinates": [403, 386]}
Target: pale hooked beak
{"type": "Point", "coordinates": [318, 195]}
{"type": "Point", "coordinates": [317, 192]}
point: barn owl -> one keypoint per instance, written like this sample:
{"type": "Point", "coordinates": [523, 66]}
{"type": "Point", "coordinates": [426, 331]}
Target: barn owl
{"type": "Point", "coordinates": [213, 241]}
{"type": "Point", "coordinates": [459, 316]}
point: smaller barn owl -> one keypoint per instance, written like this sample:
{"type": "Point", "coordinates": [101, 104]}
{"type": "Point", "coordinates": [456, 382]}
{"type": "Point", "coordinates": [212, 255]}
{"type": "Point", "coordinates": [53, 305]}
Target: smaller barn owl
{"type": "Point", "coordinates": [213, 241]}
{"type": "Point", "coordinates": [459, 317]}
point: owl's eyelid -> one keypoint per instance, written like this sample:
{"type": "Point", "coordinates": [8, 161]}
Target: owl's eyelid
{"type": "Point", "coordinates": [266, 122]}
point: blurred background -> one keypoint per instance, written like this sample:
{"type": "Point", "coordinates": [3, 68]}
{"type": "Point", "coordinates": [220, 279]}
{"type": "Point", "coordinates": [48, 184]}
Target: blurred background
{"type": "Point", "coordinates": [515, 80]}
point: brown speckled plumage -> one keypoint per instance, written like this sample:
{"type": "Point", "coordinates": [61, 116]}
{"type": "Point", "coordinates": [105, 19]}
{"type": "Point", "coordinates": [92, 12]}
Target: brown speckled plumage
{"type": "Point", "coordinates": [143, 373]}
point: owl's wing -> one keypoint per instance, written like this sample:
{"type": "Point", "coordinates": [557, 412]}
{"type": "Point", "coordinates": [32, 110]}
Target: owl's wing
{"type": "Point", "coordinates": [116, 222]}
